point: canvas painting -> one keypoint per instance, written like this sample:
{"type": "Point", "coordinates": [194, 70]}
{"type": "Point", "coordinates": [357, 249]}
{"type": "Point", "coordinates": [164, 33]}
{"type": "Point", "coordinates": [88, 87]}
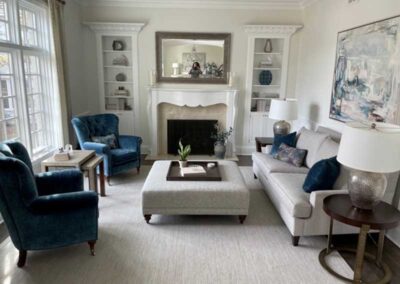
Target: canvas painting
{"type": "Point", "coordinates": [366, 83]}
{"type": "Point", "coordinates": [189, 57]}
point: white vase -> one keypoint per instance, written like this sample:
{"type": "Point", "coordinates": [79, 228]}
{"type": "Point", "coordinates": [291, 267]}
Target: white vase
{"type": "Point", "coordinates": [183, 164]}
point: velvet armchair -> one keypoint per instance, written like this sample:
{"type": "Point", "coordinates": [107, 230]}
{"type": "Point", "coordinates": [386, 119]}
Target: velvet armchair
{"type": "Point", "coordinates": [124, 157]}
{"type": "Point", "coordinates": [44, 211]}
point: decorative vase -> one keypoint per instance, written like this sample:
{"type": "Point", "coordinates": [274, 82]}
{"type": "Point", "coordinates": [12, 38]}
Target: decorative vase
{"type": "Point", "coordinates": [265, 77]}
{"type": "Point", "coordinates": [268, 46]}
{"type": "Point", "coordinates": [219, 149]}
{"type": "Point", "coordinates": [183, 164]}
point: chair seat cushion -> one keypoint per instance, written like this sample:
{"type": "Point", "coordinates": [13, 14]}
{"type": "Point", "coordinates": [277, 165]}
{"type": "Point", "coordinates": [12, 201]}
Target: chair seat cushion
{"type": "Point", "coordinates": [123, 156]}
{"type": "Point", "coordinates": [271, 165]}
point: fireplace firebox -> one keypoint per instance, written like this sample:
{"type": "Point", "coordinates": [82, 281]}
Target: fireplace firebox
{"type": "Point", "coordinates": [194, 132]}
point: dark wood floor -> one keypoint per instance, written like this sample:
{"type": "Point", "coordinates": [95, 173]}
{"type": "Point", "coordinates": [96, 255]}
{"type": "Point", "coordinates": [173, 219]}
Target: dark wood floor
{"type": "Point", "coordinates": [391, 254]}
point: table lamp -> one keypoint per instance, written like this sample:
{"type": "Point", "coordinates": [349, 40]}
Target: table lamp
{"type": "Point", "coordinates": [175, 67]}
{"type": "Point", "coordinates": [370, 150]}
{"type": "Point", "coordinates": [282, 110]}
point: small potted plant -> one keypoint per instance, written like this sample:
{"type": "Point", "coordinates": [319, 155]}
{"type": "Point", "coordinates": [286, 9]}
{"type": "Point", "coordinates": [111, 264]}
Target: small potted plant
{"type": "Point", "coordinates": [220, 136]}
{"type": "Point", "coordinates": [183, 152]}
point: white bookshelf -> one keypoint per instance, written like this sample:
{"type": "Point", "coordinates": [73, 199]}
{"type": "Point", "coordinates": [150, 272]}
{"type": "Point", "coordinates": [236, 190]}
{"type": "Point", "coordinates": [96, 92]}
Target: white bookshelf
{"type": "Point", "coordinates": [259, 95]}
{"type": "Point", "coordinates": [125, 106]}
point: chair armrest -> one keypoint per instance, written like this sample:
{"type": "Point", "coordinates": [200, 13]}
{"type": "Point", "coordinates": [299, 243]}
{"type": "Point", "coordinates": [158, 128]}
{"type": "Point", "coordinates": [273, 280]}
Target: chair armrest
{"type": "Point", "coordinates": [100, 148]}
{"type": "Point", "coordinates": [64, 202]}
{"type": "Point", "coordinates": [59, 182]}
{"type": "Point", "coordinates": [130, 142]}
{"type": "Point", "coordinates": [317, 197]}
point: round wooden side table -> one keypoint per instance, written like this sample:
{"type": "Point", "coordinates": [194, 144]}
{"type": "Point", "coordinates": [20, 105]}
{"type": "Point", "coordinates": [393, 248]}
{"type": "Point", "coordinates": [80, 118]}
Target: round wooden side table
{"type": "Point", "coordinates": [384, 216]}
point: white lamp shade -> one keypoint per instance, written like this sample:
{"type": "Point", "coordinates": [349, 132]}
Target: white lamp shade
{"type": "Point", "coordinates": [175, 65]}
{"type": "Point", "coordinates": [283, 109]}
{"type": "Point", "coordinates": [370, 149]}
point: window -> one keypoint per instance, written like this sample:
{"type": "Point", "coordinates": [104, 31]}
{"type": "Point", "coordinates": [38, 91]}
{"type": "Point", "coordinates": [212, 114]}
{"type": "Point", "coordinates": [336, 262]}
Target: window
{"type": "Point", "coordinates": [26, 93]}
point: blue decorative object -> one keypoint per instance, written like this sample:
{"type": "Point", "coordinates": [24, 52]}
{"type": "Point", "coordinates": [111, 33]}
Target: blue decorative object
{"type": "Point", "coordinates": [291, 155]}
{"type": "Point", "coordinates": [265, 77]}
{"type": "Point", "coordinates": [116, 161]}
{"type": "Point", "coordinates": [289, 140]}
{"type": "Point", "coordinates": [44, 211]}
{"type": "Point", "coordinates": [322, 175]}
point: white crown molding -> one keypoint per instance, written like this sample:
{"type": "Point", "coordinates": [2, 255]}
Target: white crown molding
{"type": "Point", "coordinates": [121, 27]}
{"type": "Point", "coordinates": [199, 4]}
{"type": "Point", "coordinates": [307, 3]}
{"type": "Point", "coordinates": [286, 30]}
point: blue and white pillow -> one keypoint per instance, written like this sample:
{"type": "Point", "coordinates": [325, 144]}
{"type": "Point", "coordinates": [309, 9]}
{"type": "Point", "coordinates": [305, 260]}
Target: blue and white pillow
{"type": "Point", "coordinates": [291, 155]}
{"type": "Point", "coordinates": [110, 140]}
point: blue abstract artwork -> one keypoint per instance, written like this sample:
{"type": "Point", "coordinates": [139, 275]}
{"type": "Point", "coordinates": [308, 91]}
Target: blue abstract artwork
{"type": "Point", "coordinates": [366, 81]}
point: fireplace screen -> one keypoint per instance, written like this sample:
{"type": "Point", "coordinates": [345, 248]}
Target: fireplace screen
{"type": "Point", "coordinates": [194, 132]}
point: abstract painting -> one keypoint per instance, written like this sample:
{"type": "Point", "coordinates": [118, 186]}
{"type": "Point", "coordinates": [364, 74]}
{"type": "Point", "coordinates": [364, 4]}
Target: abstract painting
{"type": "Point", "coordinates": [366, 81]}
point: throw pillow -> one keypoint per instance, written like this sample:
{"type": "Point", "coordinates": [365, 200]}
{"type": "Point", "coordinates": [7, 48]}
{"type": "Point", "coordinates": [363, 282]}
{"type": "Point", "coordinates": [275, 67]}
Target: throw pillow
{"type": "Point", "coordinates": [291, 155]}
{"type": "Point", "coordinates": [322, 175]}
{"type": "Point", "coordinates": [110, 140]}
{"type": "Point", "coordinates": [289, 140]}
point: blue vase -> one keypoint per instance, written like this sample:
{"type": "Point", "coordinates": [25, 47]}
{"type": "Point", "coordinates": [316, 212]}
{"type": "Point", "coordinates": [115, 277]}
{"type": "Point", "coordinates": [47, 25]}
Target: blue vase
{"type": "Point", "coordinates": [265, 77]}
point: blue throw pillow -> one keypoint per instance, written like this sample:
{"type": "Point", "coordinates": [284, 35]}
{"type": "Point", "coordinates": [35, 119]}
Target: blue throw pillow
{"type": "Point", "coordinates": [289, 140]}
{"type": "Point", "coordinates": [322, 175]}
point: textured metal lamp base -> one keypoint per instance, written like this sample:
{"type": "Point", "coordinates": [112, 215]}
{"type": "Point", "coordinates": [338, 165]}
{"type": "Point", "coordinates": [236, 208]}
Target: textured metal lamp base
{"type": "Point", "coordinates": [366, 189]}
{"type": "Point", "coordinates": [281, 128]}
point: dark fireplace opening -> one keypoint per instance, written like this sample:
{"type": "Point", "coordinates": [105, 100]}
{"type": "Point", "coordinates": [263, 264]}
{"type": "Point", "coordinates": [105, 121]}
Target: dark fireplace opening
{"type": "Point", "coordinates": [194, 132]}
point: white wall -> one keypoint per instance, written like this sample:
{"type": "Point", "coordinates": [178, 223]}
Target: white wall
{"type": "Point", "coordinates": [322, 21]}
{"type": "Point", "coordinates": [188, 20]}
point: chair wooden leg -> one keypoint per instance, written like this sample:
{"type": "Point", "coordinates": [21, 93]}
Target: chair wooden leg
{"type": "Point", "coordinates": [147, 217]}
{"type": "Point", "coordinates": [22, 258]}
{"type": "Point", "coordinates": [91, 246]}
{"type": "Point", "coordinates": [295, 240]}
{"type": "Point", "coordinates": [138, 170]}
{"type": "Point", "coordinates": [255, 177]}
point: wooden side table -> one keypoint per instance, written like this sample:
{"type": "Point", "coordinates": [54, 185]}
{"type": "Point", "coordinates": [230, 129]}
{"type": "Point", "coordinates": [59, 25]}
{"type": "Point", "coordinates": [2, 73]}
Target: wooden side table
{"type": "Point", "coordinates": [85, 161]}
{"type": "Point", "coordinates": [384, 216]}
{"type": "Point", "coordinates": [263, 141]}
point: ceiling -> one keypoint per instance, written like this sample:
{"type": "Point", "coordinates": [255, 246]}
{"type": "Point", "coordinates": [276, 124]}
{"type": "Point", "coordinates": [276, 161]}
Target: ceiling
{"type": "Point", "coordinates": [203, 4]}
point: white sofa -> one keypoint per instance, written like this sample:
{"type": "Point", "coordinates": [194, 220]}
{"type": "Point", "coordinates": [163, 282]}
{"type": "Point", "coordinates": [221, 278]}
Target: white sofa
{"type": "Point", "coordinates": [302, 212]}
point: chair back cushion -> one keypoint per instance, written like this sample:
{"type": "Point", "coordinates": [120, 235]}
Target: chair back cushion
{"type": "Point", "coordinates": [90, 126]}
{"type": "Point", "coordinates": [18, 151]}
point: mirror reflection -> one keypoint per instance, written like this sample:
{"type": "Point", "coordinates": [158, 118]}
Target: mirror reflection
{"type": "Point", "coordinates": [188, 58]}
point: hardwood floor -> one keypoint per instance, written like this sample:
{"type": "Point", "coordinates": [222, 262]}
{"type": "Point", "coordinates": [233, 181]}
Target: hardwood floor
{"type": "Point", "coordinates": [391, 254]}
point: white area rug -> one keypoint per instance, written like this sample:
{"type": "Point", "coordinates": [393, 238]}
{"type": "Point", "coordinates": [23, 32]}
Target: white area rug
{"type": "Point", "coordinates": [177, 249]}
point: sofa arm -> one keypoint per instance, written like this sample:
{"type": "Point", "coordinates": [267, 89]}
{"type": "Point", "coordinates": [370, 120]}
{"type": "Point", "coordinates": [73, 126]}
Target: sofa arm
{"type": "Point", "coordinates": [317, 197]}
{"type": "Point", "coordinates": [59, 182]}
{"type": "Point", "coordinates": [100, 148]}
{"type": "Point", "coordinates": [54, 203]}
{"type": "Point", "coordinates": [130, 142]}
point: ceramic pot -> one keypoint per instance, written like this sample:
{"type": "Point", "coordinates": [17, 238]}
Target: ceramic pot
{"type": "Point", "coordinates": [219, 149]}
{"type": "Point", "coordinates": [183, 164]}
{"type": "Point", "coordinates": [268, 46]}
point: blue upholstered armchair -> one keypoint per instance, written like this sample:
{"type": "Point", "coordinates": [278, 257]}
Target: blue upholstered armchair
{"type": "Point", "coordinates": [122, 158]}
{"type": "Point", "coordinates": [44, 211]}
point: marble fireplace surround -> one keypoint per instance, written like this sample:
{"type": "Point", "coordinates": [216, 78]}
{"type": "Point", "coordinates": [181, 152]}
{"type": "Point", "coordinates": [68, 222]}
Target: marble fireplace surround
{"type": "Point", "coordinates": [168, 103]}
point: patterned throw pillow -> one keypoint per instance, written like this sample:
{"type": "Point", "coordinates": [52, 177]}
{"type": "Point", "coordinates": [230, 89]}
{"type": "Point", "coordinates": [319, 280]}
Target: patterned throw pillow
{"type": "Point", "coordinates": [110, 140]}
{"type": "Point", "coordinates": [290, 155]}
{"type": "Point", "coordinates": [289, 140]}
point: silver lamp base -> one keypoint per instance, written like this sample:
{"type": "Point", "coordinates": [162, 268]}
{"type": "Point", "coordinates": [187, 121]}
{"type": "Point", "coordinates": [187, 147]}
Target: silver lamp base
{"type": "Point", "coordinates": [281, 128]}
{"type": "Point", "coordinates": [366, 189]}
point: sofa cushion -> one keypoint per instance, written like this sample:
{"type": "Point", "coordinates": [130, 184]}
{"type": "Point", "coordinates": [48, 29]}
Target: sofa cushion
{"type": "Point", "coordinates": [322, 176]}
{"type": "Point", "coordinates": [326, 150]}
{"type": "Point", "coordinates": [334, 135]}
{"type": "Point", "coordinates": [270, 165]}
{"type": "Point", "coordinates": [122, 156]}
{"type": "Point", "coordinates": [294, 156]}
{"type": "Point", "coordinates": [310, 141]}
{"type": "Point", "coordinates": [289, 140]}
{"type": "Point", "coordinates": [293, 198]}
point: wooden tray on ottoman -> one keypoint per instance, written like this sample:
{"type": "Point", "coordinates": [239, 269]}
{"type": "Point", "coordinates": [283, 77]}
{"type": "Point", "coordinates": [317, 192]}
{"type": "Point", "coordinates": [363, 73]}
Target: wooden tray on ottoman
{"type": "Point", "coordinates": [212, 174]}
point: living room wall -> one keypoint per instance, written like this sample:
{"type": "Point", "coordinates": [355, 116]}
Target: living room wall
{"type": "Point", "coordinates": [322, 21]}
{"type": "Point", "coordinates": [186, 20]}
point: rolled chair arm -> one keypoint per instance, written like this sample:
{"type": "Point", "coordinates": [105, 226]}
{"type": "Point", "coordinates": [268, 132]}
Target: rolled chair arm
{"type": "Point", "coordinates": [64, 202]}
{"type": "Point", "coordinates": [100, 148]}
{"type": "Point", "coordinates": [59, 182]}
{"type": "Point", "coordinates": [130, 142]}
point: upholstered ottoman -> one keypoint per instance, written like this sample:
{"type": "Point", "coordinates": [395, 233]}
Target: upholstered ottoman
{"type": "Point", "coordinates": [227, 197]}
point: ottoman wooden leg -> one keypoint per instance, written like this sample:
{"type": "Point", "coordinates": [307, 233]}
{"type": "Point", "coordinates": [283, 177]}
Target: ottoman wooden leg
{"type": "Point", "coordinates": [147, 217]}
{"type": "Point", "coordinates": [242, 218]}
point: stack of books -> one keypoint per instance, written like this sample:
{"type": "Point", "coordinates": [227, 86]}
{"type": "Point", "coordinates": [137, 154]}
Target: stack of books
{"type": "Point", "coordinates": [193, 170]}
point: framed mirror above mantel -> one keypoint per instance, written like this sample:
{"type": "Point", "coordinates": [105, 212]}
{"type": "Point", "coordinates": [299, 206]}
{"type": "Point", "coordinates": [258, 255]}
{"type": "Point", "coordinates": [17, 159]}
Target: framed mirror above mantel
{"type": "Point", "coordinates": [199, 58]}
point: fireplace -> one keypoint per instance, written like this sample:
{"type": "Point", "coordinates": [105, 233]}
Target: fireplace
{"type": "Point", "coordinates": [194, 132]}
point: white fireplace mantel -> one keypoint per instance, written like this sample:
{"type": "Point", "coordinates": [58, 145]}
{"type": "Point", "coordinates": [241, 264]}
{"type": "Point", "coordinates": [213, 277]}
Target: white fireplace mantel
{"type": "Point", "coordinates": [190, 98]}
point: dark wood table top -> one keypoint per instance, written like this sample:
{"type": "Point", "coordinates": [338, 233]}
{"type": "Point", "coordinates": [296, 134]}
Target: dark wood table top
{"type": "Point", "coordinates": [265, 140]}
{"type": "Point", "coordinates": [383, 216]}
